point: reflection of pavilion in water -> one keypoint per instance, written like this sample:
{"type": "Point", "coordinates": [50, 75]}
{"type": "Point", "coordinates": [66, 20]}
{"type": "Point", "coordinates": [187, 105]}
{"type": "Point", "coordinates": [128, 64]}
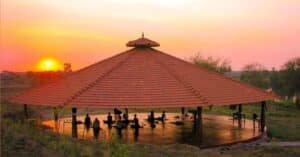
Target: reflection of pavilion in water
{"type": "Point", "coordinates": [215, 130]}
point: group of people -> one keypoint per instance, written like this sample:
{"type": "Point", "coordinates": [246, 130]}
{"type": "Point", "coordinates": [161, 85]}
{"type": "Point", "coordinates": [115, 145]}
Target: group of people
{"type": "Point", "coordinates": [95, 125]}
{"type": "Point", "coordinates": [120, 121]}
{"type": "Point", "coordinates": [120, 124]}
{"type": "Point", "coordinates": [151, 118]}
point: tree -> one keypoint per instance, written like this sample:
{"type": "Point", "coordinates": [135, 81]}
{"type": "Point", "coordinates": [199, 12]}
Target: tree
{"type": "Point", "coordinates": [285, 82]}
{"type": "Point", "coordinates": [211, 63]}
{"type": "Point", "coordinates": [256, 74]}
{"type": "Point", "coordinates": [291, 76]}
{"type": "Point", "coordinates": [276, 82]}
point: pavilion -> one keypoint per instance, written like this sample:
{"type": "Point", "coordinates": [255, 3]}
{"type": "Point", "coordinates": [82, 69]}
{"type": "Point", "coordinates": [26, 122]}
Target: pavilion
{"type": "Point", "coordinates": [144, 77]}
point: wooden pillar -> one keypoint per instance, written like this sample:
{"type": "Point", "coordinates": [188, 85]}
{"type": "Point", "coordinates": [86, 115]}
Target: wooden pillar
{"type": "Point", "coordinates": [55, 113]}
{"type": "Point", "coordinates": [199, 112]}
{"type": "Point", "coordinates": [199, 120]}
{"type": "Point", "coordinates": [74, 122]}
{"type": "Point", "coordinates": [262, 117]}
{"type": "Point", "coordinates": [240, 109]}
{"type": "Point", "coordinates": [182, 110]}
{"type": "Point", "coordinates": [195, 122]}
{"type": "Point", "coordinates": [26, 111]}
{"type": "Point", "coordinates": [195, 116]}
{"type": "Point", "coordinates": [240, 115]}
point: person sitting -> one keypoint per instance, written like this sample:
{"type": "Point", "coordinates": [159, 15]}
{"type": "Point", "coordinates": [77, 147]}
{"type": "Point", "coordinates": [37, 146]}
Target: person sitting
{"type": "Point", "coordinates": [109, 120]}
{"type": "Point", "coordinates": [87, 122]}
{"type": "Point", "coordinates": [254, 116]}
{"type": "Point", "coordinates": [55, 115]}
{"type": "Point", "coordinates": [136, 127]}
{"type": "Point", "coordinates": [236, 115]}
{"type": "Point", "coordinates": [96, 128]}
{"type": "Point", "coordinates": [125, 117]}
{"type": "Point", "coordinates": [136, 122]}
{"type": "Point", "coordinates": [119, 126]}
{"type": "Point", "coordinates": [152, 119]}
{"type": "Point", "coordinates": [117, 113]}
{"type": "Point", "coordinates": [163, 116]}
{"type": "Point", "coordinates": [119, 117]}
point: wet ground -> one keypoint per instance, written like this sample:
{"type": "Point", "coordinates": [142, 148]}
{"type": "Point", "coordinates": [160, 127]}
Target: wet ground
{"type": "Point", "coordinates": [216, 130]}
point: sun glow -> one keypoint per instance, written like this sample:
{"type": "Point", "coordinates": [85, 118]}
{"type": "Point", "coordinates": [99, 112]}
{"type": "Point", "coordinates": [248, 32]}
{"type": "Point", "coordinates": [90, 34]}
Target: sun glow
{"type": "Point", "coordinates": [49, 64]}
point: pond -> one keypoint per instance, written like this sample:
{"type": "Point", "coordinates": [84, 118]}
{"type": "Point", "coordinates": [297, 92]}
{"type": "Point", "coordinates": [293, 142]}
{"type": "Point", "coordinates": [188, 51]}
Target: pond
{"type": "Point", "coordinates": [216, 130]}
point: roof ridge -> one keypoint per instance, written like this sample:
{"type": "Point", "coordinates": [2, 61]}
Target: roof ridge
{"type": "Point", "coordinates": [218, 74]}
{"type": "Point", "coordinates": [186, 84]}
{"type": "Point", "coordinates": [88, 86]}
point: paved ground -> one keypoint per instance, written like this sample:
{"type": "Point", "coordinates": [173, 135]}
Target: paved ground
{"type": "Point", "coordinates": [264, 141]}
{"type": "Point", "coordinates": [283, 144]}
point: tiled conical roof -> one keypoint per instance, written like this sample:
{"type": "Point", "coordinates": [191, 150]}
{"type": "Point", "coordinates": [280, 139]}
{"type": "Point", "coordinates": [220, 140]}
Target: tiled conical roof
{"type": "Point", "coordinates": [143, 80]}
{"type": "Point", "coordinates": [142, 42]}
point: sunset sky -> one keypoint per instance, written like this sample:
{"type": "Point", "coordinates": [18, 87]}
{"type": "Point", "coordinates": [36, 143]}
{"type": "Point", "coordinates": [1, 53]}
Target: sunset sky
{"type": "Point", "coordinates": [83, 32]}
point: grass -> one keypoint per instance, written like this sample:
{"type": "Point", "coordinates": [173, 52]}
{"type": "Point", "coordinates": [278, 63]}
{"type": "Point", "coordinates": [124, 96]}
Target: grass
{"type": "Point", "coordinates": [26, 140]}
{"type": "Point", "coordinates": [20, 138]}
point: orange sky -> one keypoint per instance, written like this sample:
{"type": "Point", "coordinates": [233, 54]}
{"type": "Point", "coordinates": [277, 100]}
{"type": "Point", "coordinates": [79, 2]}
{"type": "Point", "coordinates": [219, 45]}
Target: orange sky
{"type": "Point", "coordinates": [85, 31]}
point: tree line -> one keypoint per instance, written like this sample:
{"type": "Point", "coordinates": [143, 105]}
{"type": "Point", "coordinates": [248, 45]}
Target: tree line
{"type": "Point", "coordinates": [285, 81]}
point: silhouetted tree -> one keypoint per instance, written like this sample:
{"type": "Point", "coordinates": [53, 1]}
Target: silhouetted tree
{"type": "Point", "coordinates": [291, 76]}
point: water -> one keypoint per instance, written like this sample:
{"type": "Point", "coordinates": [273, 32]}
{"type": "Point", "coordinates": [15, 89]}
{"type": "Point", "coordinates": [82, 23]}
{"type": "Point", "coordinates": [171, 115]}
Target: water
{"type": "Point", "coordinates": [216, 130]}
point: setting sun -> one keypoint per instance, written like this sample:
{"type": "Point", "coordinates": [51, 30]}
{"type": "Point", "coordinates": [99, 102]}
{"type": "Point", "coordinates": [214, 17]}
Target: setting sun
{"type": "Point", "coordinates": [49, 64]}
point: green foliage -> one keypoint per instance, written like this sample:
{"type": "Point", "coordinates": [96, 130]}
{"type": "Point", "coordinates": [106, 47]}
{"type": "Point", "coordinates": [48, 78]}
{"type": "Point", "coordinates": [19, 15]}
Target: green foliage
{"type": "Point", "coordinates": [276, 82]}
{"type": "Point", "coordinates": [22, 138]}
{"type": "Point", "coordinates": [118, 150]}
{"type": "Point", "coordinates": [290, 74]}
{"type": "Point", "coordinates": [255, 74]}
{"type": "Point", "coordinates": [285, 82]}
{"type": "Point", "coordinates": [211, 63]}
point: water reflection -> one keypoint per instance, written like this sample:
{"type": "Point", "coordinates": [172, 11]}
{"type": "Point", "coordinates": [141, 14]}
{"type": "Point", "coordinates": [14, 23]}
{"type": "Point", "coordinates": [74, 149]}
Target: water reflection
{"type": "Point", "coordinates": [215, 130]}
{"type": "Point", "coordinates": [136, 134]}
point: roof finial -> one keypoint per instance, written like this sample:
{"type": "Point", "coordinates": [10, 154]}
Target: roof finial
{"type": "Point", "coordinates": [142, 34]}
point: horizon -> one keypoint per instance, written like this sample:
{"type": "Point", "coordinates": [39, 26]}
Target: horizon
{"type": "Point", "coordinates": [86, 32]}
